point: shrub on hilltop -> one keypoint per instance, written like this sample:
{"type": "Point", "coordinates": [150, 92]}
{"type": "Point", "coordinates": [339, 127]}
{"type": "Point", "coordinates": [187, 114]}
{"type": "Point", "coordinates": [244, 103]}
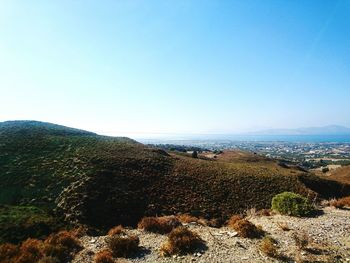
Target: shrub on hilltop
{"type": "Point", "coordinates": [161, 225]}
{"type": "Point", "coordinates": [292, 204]}
{"type": "Point", "coordinates": [341, 203]}
{"type": "Point", "coordinates": [245, 228]}
{"type": "Point", "coordinates": [181, 241]}
{"type": "Point", "coordinates": [123, 245]}
{"type": "Point", "coordinates": [104, 256]}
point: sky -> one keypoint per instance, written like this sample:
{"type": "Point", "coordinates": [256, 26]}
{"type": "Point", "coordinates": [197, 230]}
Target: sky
{"type": "Point", "coordinates": [175, 67]}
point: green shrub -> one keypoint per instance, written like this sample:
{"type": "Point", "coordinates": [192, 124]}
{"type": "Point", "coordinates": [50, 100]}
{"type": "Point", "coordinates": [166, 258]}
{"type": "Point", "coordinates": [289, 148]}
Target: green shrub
{"type": "Point", "coordinates": [288, 203]}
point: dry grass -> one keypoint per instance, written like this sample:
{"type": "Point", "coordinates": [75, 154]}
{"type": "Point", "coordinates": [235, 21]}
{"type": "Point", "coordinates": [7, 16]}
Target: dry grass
{"type": "Point", "coordinates": [117, 230]}
{"type": "Point", "coordinates": [123, 245]}
{"type": "Point", "coordinates": [161, 225]}
{"type": "Point", "coordinates": [181, 241]}
{"type": "Point", "coordinates": [340, 203]}
{"type": "Point", "coordinates": [104, 256]}
{"type": "Point", "coordinates": [58, 247]}
{"type": "Point", "coordinates": [268, 247]}
{"type": "Point", "coordinates": [247, 229]}
{"type": "Point", "coordinates": [30, 251]}
{"type": "Point", "coordinates": [233, 220]}
{"type": "Point", "coordinates": [8, 252]}
{"type": "Point", "coordinates": [61, 245]}
{"type": "Point", "coordinates": [284, 226]}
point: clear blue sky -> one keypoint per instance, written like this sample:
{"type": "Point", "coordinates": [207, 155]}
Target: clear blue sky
{"type": "Point", "coordinates": [120, 67]}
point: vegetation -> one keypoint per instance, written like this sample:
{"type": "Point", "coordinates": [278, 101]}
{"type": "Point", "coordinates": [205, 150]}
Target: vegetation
{"type": "Point", "coordinates": [160, 225]}
{"type": "Point", "coordinates": [233, 220]}
{"type": "Point", "coordinates": [21, 222]}
{"type": "Point", "coordinates": [50, 172]}
{"type": "Point", "coordinates": [104, 256]}
{"type": "Point", "coordinates": [123, 245]}
{"type": "Point", "coordinates": [268, 247]}
{"type": "Point", "coordinates": [292, 204]}
{"type": "Point", "coordinates": [58, 247]}
{"type": "Point", "coordinates": [247, 229]}
{"type": "Point", "coordinates": [341, 203]}
{"type": "Point", "coordinates": [181, 241]}
{"type": "Point", "coordinates": [117, 230]}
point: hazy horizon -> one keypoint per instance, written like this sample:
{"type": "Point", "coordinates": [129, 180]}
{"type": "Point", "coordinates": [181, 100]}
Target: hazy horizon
{"type": "Point", "coordinates": [176, 67]}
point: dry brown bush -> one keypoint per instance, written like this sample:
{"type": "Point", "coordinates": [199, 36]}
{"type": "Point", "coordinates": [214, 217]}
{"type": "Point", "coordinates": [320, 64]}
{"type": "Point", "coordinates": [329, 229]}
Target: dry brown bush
{"type": "Point", "coordinates": [104, 256]}
{"type": "Point", "coordinates": [61, 245]}
{"type": "Point", "coordinates": [233, 219]}
{"type": "Point", "coordinates": [340, 203]}
{"type": "Point", "coordinates": [8, 252]}
{"type": "Point", "coordinates": [181, 241]}
{"type": "Point", "coordinates": [123, 245]}
{"type": "Point", "coordinates": [268, 247]}
{"type": "Point", "coordinates": [117, 230]}
{"type": "Point", "coordinates": [160, 225]}
{"type": "Point", "coordinates": [247, 229]}
{"type": "Point", "coordinates": [30, 251]}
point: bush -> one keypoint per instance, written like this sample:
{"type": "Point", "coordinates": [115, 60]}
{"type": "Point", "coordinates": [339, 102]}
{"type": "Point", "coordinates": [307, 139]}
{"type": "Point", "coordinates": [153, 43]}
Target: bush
{"type": "Point", "coordinates": [8, 252]}
{"type": "Point", "coordinates": [341, 203]}
{"type": "Point", "coordinates": [233, 220]}
{"type": "Point", "coordinates": [291, 204]}
{"type": "Point", "coordinates": [117, 230]}
{"type": "Point", "coordinates": [161, 225]}
{"type": "Point", "coordinates": [268, 247]}
{"type": "Point", "coordinates": [104, 256]}
{"type": "Point", "coordinates": [186, 218]}
{"type": "Point", "coordinates": [30, 251]}
{"type": "Point", "coordinates": [181, 241]}
{"type": "Point", "coordinates": [247, 229]}
{"type": "Point", "coordinates": [123, 245]}
{"type": "Point", "coordinates": [61, 245]}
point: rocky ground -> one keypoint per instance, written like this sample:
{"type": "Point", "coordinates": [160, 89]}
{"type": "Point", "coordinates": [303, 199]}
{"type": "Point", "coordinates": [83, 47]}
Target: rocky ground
{"type": "Point", "coordinates": [328, 241]}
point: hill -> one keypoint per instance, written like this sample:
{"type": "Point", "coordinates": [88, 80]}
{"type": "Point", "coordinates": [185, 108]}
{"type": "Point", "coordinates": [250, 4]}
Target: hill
{"type": "Point", "coordinates": [341, 174]}
{"type": "Point", "coordinates": [50, 172]}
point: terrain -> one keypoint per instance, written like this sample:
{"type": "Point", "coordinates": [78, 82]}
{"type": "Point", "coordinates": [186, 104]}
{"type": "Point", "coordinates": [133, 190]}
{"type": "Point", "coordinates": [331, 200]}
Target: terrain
{"type": "Point", "coordinates": [328, 240]}
{"type": "Point", "coordinates": [53, 177]}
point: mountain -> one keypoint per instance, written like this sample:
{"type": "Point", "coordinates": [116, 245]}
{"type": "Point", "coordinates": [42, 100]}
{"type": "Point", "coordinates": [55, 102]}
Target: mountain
{"type": "Point", "coordinates": [325, 130]}
{"type": "Point", "coordinates": [53, 176]}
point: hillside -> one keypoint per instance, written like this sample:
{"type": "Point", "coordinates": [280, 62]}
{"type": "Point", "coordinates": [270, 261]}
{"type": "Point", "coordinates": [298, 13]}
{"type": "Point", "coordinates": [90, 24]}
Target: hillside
{"type": "Point", "coordinates": [341, 174]}
{"type": "Point", "coordinates": [50, 172]}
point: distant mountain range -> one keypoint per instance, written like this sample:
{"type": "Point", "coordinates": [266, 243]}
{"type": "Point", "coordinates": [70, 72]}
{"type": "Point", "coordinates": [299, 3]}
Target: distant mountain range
{"type": "Point", "coordinates": [325, 130]}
